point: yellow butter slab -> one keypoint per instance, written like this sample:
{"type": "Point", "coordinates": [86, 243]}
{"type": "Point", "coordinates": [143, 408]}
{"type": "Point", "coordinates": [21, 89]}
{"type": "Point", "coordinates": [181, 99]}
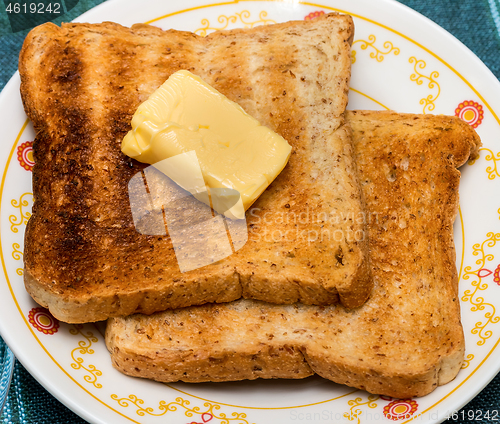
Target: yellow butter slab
{"type": "Point", "coordinates": [233, 149]}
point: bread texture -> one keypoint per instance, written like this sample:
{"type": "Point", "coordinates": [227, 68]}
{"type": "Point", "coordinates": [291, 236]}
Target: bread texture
{"type": "Point", "coordinates": [403, 342]}
{"type": "Point", "coordinates": [81, 84]}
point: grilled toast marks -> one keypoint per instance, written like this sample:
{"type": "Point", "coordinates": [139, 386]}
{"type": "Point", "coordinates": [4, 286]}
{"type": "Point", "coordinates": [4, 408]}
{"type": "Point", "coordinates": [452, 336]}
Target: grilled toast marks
{"type": "Point", "coordinates": [81, 84]}
{"type": "Point", "coordinates": [403, 342]}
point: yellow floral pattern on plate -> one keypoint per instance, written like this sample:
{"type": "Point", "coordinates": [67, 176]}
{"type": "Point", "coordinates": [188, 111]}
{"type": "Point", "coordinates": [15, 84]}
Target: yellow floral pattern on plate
{"type": "Point", "coordinates": [84, 347]}
{"type": "Point", "coordinates": [492, 170]}
{"type": "Point", "coordinates": [467, 360]}
{"type": "Point", "coordinates": [418, 77]}
{"type": "Point", "coordinates": [209, 412]}
{"type": "Point", "coordinates": [472, 296]}
{"type": "Point", "coordinates": [224, 22]}
{"type": "Point", "coordinates": [23, 204]}
{"type": "Point", "coordinates": [17, 255]}
{"type": "Point", "coordinates": [377, 53]}
{"type": "Point", "coordinates": [355, 412]}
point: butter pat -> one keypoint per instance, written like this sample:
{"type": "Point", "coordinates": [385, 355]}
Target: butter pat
{"type": "Point", "coordinates": [234, 151]}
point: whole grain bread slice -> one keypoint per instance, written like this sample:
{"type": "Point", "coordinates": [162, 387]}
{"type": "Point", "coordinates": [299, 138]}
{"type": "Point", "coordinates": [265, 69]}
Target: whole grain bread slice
{"type": "Point", "coordinates": [81, 84]}
{"type": "Point", "coordinates": [403, 342]}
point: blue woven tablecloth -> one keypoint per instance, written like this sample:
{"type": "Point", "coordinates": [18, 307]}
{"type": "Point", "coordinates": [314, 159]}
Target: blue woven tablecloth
{"type": "Point", "coordinates": [474, 22]}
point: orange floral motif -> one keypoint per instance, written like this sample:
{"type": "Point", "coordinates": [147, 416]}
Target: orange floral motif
{"type": "Point", "coordinates": [400, 409]}
{"type": "Point", "coordinates": [496, 275]}
{"type": "Point", "coordinates": [43, 321]}
{"type": "Point", "coordinates": [470, 112]}
{"type": "Point", "coordinates": [25, 155]}
{"type": "Point", "coordinates": [313, 15]}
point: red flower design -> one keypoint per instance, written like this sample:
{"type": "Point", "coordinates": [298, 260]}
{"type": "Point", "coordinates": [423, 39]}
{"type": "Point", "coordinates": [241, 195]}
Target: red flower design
{"type": "Point", "coordinates": [483, 272]}
{"type": "Point", "coordinates": [313, 15]}
{"type": "Point", "coordinates": [470, 112]}
{"type": "Point", "coordinates": [400, 409]}
{"type": "Point", "coordinates": [25, 155]}
{"type": "Point", "coordinates": [43, 321]}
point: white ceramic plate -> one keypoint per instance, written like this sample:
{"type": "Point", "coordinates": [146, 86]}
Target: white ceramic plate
{"type": "Point", "coordinates": [401, 61]}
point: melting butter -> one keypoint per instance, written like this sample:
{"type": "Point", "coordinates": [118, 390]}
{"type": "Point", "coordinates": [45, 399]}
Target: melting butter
{"type": "Point", "coordinates": [234, 151]}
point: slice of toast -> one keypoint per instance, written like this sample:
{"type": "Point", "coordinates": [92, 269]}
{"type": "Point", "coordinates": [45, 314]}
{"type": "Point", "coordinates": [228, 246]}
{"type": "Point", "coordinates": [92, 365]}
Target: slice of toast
{"type": "Point", "coordinates": [81, 84]}
{"type": "Point", "coordinates": [403, 342]}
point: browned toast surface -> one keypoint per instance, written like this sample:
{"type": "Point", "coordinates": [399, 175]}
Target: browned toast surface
{"type": "Point", "coordinates": [403, 342]}
{"type": "Point", "coordinates": [81, 84]}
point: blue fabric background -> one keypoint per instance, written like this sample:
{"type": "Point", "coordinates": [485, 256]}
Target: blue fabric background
{"type": "Point", "coordinates": [474, 22]}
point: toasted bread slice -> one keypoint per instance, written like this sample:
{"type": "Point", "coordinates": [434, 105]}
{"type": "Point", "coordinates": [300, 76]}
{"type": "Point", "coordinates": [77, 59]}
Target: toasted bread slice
{"type": "Point", "coordinates": [81, 84]}
{"type": "Point", "coordinates": [403, 342]}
